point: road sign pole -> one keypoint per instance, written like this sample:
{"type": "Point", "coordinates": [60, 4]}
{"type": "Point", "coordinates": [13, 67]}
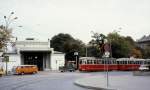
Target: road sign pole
{"type": "Point", "coordinates": [107, 54]}
{"type": "Point", "coordinates": [107, 73]}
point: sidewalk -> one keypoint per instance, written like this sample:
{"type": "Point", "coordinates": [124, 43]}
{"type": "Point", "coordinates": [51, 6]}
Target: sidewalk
{"type": "Point", "coordinates": [98, 83]}
{"type": "Point", "coordinates": [125, 82]}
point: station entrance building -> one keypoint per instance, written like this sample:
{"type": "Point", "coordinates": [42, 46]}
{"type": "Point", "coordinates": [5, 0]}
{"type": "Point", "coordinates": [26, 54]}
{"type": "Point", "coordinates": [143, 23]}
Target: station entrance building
{"type": "Point", "coordinates": [33, 52]}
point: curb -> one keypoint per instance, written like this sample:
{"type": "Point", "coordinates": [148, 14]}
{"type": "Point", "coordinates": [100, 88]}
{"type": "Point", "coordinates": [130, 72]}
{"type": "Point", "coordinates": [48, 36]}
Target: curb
{"type": "Point", "coordinates": [141, 73]}
{"type": "Point", "coordinates": [91, 87]}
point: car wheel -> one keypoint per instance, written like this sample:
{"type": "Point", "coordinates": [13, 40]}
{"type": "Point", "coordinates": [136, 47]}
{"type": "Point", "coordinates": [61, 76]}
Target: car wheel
{"type": "Point", "coordinates": [22, 73]}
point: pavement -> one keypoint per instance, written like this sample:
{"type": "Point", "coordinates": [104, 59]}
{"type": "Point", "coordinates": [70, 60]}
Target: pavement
{"type": "Point", "coordinates": [126, 81]}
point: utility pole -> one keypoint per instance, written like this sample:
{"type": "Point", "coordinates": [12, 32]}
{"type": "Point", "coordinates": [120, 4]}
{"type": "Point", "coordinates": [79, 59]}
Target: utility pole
{"type": "Point", "coordinates": [76, 56]}
{"type": "Point", "coordinates": [8, 21]}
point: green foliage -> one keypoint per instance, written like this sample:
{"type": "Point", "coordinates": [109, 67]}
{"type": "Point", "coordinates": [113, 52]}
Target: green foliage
{"type": "Point", "coordinates": [98, 42]}
{"type": "Point", "coordinates": [136, 53]}
{"type": "Point", "coordinates": [131, 41]}
{"type": "Point", "coordinates": [93, 51]}
{"type": "Point", "coordinates": [120, 46]}
{"type": "Point", "coordinates": [59, 41]}
{"type": "Point", "coordinates": [67, 44]}
{"type": "Point", "coordinates": [146, 52]}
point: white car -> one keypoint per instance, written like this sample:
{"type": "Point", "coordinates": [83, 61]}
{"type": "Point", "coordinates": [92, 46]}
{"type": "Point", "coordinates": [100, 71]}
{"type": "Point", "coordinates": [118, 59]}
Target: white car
{"type": "Point", "coordinates": [144, 68]}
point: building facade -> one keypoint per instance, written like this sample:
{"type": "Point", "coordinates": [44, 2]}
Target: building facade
{"type": "Point", "coordinates": [144, 42]}
{"type": "Point", "coordinates": [33, 52]}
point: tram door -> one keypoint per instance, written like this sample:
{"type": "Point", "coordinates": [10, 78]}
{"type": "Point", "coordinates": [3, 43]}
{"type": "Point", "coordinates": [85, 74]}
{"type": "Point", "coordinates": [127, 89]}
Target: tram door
{"type": "Point", "coordinates": [34, 59]}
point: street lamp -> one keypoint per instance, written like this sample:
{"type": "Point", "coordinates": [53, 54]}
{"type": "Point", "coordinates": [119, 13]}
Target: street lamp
{"type": "Point", "coordinates": [76, 55]}
{"type": "Point", "coordinates": [8, 21]}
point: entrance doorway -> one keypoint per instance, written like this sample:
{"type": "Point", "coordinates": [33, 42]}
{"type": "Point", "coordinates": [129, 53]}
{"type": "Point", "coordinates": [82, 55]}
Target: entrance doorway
{"type": "Point", "coordinates": [34, 59]}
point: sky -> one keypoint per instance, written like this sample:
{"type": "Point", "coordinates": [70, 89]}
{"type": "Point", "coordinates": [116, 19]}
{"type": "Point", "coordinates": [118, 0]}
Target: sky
{"type": "Point", "coordinates": [42, 19]}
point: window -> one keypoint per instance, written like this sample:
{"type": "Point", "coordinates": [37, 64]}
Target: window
{"type": "Point", "coordinates": [88, 62]}
{"type": "Point", "coordinates": [99, 62]}
{"type": "Point", "coordinates": [95, 62]}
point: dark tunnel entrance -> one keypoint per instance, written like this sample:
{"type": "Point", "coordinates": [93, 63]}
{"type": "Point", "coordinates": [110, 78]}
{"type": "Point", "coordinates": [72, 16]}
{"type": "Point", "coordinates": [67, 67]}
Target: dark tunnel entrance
{"type": "Point", "coordinates": [33, 58]}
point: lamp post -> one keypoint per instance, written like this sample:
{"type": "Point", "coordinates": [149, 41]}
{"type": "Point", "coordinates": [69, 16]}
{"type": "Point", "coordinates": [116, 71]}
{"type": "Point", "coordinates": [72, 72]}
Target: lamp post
{"type": "Point", "coordinates": [8, 21]}
{"type": "Point", "coordinates": [76, 56]}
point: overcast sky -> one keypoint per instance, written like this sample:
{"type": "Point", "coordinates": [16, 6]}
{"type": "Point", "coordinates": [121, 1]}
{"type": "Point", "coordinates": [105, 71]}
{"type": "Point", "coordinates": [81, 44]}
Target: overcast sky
{"type": "Point", "coordinates": [43, 19]}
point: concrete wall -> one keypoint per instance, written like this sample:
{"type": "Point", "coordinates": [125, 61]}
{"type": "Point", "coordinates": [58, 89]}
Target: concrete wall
{"type": "Point", "coordinates": [39, 44]}
{"type": "Point", "coordinates": [14, 60]}
{"type": "Point", "coordinates": [50, 60]}
{"type": "Point", "coordinates": [46, 61]}
{"type": "Point", "coordinates": [57, 60]}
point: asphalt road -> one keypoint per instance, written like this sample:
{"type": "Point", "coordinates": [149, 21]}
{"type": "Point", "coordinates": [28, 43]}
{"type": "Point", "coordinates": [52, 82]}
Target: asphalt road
{"type": "Point", "coordinates": [42, 81]}
{"type": "Point", "coordinates": [65, 81]}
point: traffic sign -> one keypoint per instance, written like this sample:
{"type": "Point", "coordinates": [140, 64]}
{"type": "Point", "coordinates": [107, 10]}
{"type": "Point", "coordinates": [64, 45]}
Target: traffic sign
{"type": "Point", "coordinates": [106, 47]}
{"type": "Point", "coordinates": [107, 54]}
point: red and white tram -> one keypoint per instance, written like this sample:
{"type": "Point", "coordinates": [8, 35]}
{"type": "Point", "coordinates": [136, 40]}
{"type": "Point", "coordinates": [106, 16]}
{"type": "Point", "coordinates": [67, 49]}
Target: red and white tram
{"type": "Point", "coordinates": [96, 64]}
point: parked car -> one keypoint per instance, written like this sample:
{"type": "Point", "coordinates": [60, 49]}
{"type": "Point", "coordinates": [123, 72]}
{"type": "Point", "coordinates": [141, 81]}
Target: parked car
{"type": "Point", "coordinates": [69, 67]}
{"type": "Point", "coordinates": [144, 68]}
{"type": "Point", "coordinates": [24, 69]}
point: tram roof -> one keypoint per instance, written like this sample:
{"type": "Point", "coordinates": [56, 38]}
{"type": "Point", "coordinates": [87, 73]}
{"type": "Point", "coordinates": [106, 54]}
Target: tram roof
{"type": "Point", "coordinates": [131, 59]}
{"type": "Point", "coordinates": [92, 58]}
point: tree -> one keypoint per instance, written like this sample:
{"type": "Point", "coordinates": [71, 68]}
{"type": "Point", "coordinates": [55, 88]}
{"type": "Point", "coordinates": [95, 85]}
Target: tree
{"type": "Point", "coordinates": [5, 35]}
{"type": "Point", "coordinates": [59, 41]}
{"type": "Point", "coordinates": [5, 31]}
{"type": "Point", "coordinates": [146, 52]}
{"type": "Point", "coordinates": [67, 44]}
{"type": "Point", "coordinates": [94, 52]}
{"type": "Point", "coordinates": [136, 53]}
{"type": "Point", "coordinates": [131, 41]}
{"type": "Point", "coordinates": [97, 50]}
{"type": "Point", "coordinates": [119, 45]}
